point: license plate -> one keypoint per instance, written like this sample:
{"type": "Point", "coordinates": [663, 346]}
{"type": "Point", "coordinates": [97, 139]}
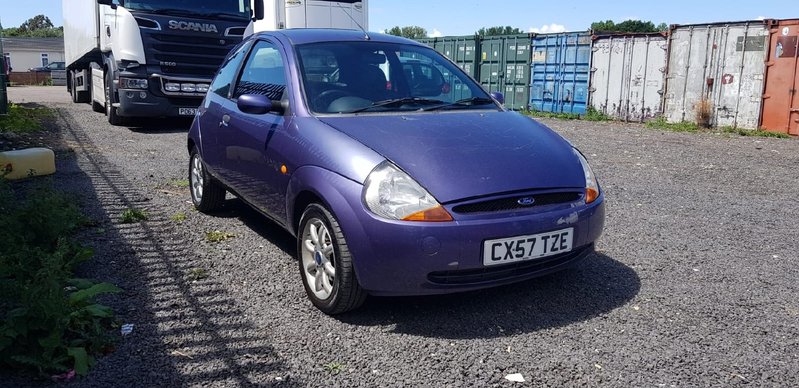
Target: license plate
{"type": "Point", "coordinates": [187, 111]}
{"type": "Point", "coordinates": [522, 248]}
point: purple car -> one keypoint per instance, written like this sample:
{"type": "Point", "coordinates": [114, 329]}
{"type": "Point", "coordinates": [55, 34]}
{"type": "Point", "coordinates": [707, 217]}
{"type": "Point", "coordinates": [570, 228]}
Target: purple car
{"type": "Point", "coordinates": [397, 172]}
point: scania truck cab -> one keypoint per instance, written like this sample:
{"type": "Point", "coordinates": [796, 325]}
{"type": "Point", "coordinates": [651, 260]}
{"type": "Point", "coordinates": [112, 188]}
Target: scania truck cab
{"type": "Point", "coordinates": [156, 58]}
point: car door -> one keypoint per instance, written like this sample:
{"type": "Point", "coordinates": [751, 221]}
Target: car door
{"type": "Point", "coordinates": [211, 113]}
{"type": "Point", "coordinates": [254, 144]}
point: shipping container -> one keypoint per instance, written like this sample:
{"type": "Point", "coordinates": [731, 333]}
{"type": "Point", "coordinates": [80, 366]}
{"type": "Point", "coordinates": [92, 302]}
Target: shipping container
{"type": "Point", "coordinates": [628, 75]}
{"type": "Point", "coordinates": [719, 67]}
{"type": "Point", "coordinates": [560, 72]}
{"type": "Point", "coordinates": [460, 49]}
{"type": "Point", "coordinates": [780, 100]}
{"type": "Point", "coordinates": [505, 68]}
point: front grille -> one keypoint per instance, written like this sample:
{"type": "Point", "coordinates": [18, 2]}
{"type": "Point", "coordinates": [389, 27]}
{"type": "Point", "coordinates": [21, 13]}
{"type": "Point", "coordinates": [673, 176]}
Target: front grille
{"type": "Point", "coordinates": [191, 55]}
{"type": "Point", "coordinates": [512, 203]}
{"type": "Point", "coordinates": [506, 272]}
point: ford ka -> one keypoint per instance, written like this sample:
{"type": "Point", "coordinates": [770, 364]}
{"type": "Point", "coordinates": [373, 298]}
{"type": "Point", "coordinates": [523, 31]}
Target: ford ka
{"type": "Point", "coordinates": [397, 173]}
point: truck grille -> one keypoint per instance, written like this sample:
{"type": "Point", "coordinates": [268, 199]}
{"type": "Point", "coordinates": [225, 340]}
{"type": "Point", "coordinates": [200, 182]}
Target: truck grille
{"type": "Point", "coordinates": [192, 55]}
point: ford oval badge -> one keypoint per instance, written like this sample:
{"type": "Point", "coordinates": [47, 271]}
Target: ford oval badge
{"type": "Point", "coordinates": [526, 201]}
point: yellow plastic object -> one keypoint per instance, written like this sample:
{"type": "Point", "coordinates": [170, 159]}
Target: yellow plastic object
{"type": "Point", "coordinates": [27, 163]}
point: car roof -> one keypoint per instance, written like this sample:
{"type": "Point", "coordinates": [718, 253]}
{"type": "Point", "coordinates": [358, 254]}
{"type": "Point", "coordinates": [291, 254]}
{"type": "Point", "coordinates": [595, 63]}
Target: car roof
{"type": "Point", "coordinates": [298, 36]}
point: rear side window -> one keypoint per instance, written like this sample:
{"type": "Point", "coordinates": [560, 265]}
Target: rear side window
{"type": "Point", "coordinates": [227, 73]}
{"type": "Point", "coordinates": [263, 74]}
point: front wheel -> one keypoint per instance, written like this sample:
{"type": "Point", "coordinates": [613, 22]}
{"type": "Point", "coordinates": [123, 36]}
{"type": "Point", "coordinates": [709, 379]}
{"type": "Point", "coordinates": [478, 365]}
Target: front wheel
{"type": "Point", "coordinates": [207, 194]}
{"type": "Point", "coordinates": [110, 110]}
{"type": "Point", "coordinates": [326, 266]}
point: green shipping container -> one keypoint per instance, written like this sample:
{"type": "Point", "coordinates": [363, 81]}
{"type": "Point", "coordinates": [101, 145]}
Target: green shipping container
{"type": "Point", "coordinates": [505, 67]}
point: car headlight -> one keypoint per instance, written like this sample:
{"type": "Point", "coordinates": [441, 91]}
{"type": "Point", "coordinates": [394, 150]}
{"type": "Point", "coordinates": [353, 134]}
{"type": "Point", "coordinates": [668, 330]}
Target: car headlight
{"type": "Point", "coordinates": [390, 193]}
{"type": "Point", "coordinates": [591, 185]}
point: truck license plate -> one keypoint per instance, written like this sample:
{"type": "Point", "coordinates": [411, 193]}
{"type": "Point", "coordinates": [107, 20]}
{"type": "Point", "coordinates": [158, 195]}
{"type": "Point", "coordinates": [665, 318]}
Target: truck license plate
{"type": "Point", "coordinates": [187, 111]}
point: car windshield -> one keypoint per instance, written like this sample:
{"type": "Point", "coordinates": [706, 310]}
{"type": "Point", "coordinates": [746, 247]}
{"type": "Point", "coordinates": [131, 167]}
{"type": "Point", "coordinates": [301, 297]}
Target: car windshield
{"type": "Point", "coordinates": [373, 77]}
{"type": "Point", "coordinates": [206, 8]}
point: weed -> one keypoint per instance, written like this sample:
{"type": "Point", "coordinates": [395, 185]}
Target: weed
{"type": "Point", "coordinates": [552, 115]}
{"type": "Point", "coordinates": [595, 115]}
{"type": "Point", "coordinates": [661, 123]}
{"type": "Point", "coordinates": [179, 217]}
{"type": "Point", "coordinates": [50, 322]}
{"type": "Point", "coordinates": [704, 113]}
{"type": "Point", "coordinates": [196, 274]}
{"type": "Point", "coordinates": [130, 216]}
{"type": "Point", "coordinates": [334, 367]}
{"type": "Point", "coordinates": [24, 120]}
{"type": "Point", "coordinates": [217, 236]}
{"type": "Point", "coordinates": [182, 183]}
{"type": "Point", "coordinates": [758, 133]}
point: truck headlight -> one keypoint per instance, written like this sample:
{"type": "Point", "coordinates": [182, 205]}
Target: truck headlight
{"type": "Point", "coordinates": [132, 83]}
{"type": "Point", "coordinates": [392, 194]}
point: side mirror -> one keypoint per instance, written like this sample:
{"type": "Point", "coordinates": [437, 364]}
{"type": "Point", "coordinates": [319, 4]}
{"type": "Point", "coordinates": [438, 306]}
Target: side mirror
{"type": "Point", "coordinates": [258, 104]}
{"type": "Point", "coordinates": [499, 97]}
{"type": "Point", "coordinates": [258, 10]}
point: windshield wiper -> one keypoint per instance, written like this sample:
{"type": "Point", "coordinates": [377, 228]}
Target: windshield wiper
{"type": "Point", "coordinates": [399, 102]}
{"type": "Point", "coordinates": [472, 101]}
{"type": "Point", "coordinates": [224, 15]}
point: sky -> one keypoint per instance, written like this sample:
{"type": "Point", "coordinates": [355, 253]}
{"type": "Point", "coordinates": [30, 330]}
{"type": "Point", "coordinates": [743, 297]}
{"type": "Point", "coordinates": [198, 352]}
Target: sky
{"type": "Point", "coordinates": [464, 17]}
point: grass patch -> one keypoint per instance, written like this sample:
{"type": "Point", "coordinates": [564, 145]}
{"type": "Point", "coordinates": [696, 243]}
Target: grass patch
{"type": "Point", "coordinates": [24, 120]}
{"type": "Point", "coordinates": [182, 183]}
{"type": "Point", "coordinates": [334, 367]}
{"type": "Point", "coordinates": [757, 133]}
{"type": "Point", "coordinates": [218, 237]}
{"type": "Point", "coordinates": [196, 274]}
{"type": "Point", "coordinates": [131, 216]}
{"type": "Point", "coordinates": [590, 115]}
{"type": "Point", "coordinates": [661, 123]}
{"type": "Point", "coordinates": [179, 217]}
{"type": "Point", "coordinates": [49, 322]}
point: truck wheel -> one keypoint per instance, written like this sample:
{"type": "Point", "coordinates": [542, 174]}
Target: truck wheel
{"type": "Point", "coordinates": [110, 111]}
{"type": "Point", "coordinates": [326, 266]}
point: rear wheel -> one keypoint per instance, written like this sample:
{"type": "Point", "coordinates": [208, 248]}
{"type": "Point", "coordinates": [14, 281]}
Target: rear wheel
{"type": "Point", "coordinates": [207, 194]}
{"type": "Point", "coordinates": [326, 266]}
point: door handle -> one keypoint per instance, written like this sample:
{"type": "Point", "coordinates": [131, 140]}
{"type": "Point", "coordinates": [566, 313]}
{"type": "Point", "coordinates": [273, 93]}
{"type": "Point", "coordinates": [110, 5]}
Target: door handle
{"type": "Point", "coordinates": [225, 120]}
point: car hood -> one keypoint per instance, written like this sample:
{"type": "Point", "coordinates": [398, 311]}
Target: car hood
{"type": "Point", "coordinates": [459, 155]}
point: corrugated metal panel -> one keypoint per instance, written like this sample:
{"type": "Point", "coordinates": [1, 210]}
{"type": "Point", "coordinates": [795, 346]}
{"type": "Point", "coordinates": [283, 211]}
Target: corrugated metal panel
{"type": "Point", "coordinates": [781, 99]}
{"type": "Point", "coordinates": [460, 49]}
{"type": "Point", "coordinates": [628, 75]}
{"type": "Point", "coordinates": [505, 68]}
{"type": "Point", "coordinates": [561, 66]}
{"type": "Point", "coordinates": [722, 63]}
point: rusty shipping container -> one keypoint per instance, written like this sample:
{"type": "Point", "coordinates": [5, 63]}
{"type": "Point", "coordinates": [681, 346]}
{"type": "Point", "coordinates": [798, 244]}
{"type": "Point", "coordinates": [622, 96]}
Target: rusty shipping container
{"type": "Point", "coordinates": [721, 63]}
{"type": "Point", "coordinates": [780, 99]}
{"type": "Point", "coordinates": [628, 75]}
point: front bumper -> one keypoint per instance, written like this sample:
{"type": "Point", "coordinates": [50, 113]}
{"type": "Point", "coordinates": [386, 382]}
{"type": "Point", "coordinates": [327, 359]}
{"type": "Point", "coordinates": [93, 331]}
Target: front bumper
{"type": "Point", "coordinates": [143, 103]}
{"type": "Point", "coordinates": [412, 258]}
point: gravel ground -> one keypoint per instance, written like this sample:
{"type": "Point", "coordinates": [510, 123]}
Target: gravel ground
{"type": "Point", "coordinates": [694, 282]}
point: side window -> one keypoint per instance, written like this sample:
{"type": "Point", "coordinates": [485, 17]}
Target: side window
{"type": "Point", "coordinates": [227, 73]}
{"type": "Point", "coordinates": [263, 73]}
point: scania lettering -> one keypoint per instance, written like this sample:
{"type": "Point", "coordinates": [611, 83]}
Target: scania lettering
{"type": "Point", "coordinates": [156, 58]}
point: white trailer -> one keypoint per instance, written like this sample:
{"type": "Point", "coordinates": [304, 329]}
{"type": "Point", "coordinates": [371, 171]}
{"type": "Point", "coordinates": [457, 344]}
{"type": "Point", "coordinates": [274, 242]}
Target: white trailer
{"type": "Point", "coordinates": [156, 58]}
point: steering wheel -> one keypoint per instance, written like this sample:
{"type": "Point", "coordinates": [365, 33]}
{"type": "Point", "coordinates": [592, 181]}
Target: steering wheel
{"type": "Point", "coordinates": [324, 99]}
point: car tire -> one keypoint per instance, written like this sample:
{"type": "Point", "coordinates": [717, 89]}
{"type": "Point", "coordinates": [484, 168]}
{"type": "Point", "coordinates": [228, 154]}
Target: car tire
{"type": "Point", "coordinates": [325, 262]}
{"type": "Point", "coordinates": [110, 110]}
{"type": "Point", "coordinates": [207, 194]}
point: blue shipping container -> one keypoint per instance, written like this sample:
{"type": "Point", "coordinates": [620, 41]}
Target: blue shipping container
{"type": "Point", "coordinates": [560, 74]}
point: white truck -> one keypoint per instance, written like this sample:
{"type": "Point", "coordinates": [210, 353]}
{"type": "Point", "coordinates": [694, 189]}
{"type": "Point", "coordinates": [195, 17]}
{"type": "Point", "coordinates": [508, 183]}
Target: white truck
{"type": "Point", "coordinates": [156, 58]}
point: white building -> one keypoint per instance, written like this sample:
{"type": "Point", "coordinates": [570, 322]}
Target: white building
{"type": "Point", "coordinates": [25, 53]}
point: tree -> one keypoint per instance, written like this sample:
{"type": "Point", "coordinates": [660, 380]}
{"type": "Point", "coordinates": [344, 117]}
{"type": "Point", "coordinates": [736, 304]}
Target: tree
{"type": "Point", "coordinates": [628, 26]}
{"type": "Point", "coordinates": [410, 32]}
{"type": "Point", "coordinates": [491, 31]}
{"type": "Point", "coordinates": [38, 22]}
